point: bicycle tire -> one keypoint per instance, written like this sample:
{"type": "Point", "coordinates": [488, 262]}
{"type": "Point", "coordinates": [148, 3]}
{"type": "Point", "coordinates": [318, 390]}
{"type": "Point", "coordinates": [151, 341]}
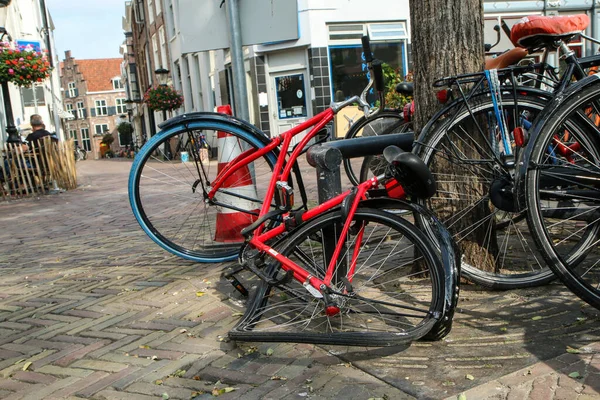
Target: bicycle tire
{"type": "Point", "coordinates": [561, 195]}
{"type": "Point", "coordinates": [384, 122]}
{"type": "Point", "coordinates": [289, 312]}
{"type": "Point", "coordinates": [167, 197]}
{"type": "Point", "coordinates": [445, 145]}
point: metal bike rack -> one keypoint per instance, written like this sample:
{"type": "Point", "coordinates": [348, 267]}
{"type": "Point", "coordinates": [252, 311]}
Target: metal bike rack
{"type": "Point", "coordinates": [327, 157]}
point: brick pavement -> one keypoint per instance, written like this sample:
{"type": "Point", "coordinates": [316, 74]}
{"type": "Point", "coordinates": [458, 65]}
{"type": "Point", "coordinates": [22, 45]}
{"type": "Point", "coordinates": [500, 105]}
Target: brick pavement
{"type": "Point", "coordinates": [91, 308]}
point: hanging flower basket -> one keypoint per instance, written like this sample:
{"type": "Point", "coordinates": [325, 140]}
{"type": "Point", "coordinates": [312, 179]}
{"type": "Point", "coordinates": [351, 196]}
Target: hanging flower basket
{"type": "Point", "coordinates": [22, 66]}
{"type": "Point", "coordinates": [163, 98]}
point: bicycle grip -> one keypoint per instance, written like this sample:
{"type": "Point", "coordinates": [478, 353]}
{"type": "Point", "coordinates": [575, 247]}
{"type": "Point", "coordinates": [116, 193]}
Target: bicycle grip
{"type": "Point", "coordinates": [367, 49]}
{"type": "Point", "coordinates": [378, 75]}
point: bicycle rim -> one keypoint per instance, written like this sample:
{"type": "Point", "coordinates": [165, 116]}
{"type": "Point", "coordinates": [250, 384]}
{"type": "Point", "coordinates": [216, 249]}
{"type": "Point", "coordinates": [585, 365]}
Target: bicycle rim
{"type": "Point", "coordinates": [563, 194]}
{"type": "Point", "coordinates": [396, 293]}
{"type": "Point", "coordinates": [171, 176]}
{"type": "Point", "coordinates": [466, 156]}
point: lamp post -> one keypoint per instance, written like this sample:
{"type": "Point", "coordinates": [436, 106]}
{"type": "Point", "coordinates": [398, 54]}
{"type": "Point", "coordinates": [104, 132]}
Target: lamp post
{"type": "Point", "coordinates": [162, 74]}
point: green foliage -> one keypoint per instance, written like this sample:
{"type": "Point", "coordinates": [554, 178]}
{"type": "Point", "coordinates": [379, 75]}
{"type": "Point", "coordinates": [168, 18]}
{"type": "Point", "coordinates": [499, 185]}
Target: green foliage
{"type": "Point", "coordinates": [125, 128]}
{"type": "Point", "coordinates": [392, 78]}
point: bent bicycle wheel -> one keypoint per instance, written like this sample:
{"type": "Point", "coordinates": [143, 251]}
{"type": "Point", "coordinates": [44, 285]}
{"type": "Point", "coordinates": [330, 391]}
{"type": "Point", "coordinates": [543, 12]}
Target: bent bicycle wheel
{"type": "Point", "coordinates": [563, 192]}
{"type": "Point", "coordinates": [387, 287]}
{"type": "Point", "coordinates": [172, 175]}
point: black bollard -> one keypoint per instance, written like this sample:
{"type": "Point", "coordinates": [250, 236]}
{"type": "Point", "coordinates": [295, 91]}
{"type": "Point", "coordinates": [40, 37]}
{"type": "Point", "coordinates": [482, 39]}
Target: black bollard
{"type": "Point", "coordinates": [327, 161]}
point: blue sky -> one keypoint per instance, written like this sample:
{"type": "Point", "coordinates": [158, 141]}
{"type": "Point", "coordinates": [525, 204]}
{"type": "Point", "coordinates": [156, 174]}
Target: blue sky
{"type": "Point", "coordinates": [89, 28]}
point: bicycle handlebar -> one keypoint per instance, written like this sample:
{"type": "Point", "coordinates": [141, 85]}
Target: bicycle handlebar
{"type": "Point", "coordinates": [488, 47]}
{"type": "Point", "coordinates": [376, 77]}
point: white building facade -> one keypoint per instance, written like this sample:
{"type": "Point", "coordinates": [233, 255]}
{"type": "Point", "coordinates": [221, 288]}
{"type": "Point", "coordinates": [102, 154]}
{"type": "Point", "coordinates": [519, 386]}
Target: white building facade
{"type": "Point", "coordinates": [27, 23]}
{"type": "Point", "coordinates": [290, 81]}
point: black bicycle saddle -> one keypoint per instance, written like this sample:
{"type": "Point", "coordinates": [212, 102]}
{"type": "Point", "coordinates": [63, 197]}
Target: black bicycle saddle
{"type": "Point", "coordinates": [412, 173]}
{"type": "Point", "coordinates": [405, 88]}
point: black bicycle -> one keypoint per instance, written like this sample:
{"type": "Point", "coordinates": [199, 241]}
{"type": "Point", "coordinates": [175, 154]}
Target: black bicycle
{"type": "Point", "coordinates": [473, 145]}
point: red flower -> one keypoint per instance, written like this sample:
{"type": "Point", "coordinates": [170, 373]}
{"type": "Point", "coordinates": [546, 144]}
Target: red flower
{"type": "Point", "coordinates": [26, 66]}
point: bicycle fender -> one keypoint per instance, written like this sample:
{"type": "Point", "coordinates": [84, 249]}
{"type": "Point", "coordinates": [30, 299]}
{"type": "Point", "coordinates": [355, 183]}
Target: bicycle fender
{"type": "Point", "coordinates": [450, 254]}
{"type": "Point", "coordinates": [525, 156]}
{"type": "Point", "coordinates": [223, 118]}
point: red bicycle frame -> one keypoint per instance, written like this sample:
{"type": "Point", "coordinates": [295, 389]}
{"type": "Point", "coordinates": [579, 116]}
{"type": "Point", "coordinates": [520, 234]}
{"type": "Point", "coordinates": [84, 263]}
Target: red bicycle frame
{"type": "Point", "coordinates": [281, 172]}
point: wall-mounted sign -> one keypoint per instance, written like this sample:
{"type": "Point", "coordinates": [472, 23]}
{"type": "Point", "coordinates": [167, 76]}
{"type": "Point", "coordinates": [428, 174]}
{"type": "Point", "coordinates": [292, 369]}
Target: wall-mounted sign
{"type": "Point", "coordinates": [30, 45]}
{"type": "Point", "coordinates": [205, 26]}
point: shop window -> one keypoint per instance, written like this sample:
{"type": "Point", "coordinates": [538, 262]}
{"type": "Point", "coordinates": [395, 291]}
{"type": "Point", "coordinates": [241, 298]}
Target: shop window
{"type": "Point", "coordinates": [349, 71]}
{"type": "Point", "coordinates": [291, 96]}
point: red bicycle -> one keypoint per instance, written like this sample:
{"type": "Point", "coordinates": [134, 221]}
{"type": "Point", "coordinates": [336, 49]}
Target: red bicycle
{"type": "Point", "coordinates": [353, 270]}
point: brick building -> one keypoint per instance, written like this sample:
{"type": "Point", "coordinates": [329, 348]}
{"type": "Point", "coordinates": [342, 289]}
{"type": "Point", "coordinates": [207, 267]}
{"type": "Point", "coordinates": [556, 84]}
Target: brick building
{"type": "Point", "coordinates": [94, 93]}
{"type": "Point", "coordinates": [146, 50]}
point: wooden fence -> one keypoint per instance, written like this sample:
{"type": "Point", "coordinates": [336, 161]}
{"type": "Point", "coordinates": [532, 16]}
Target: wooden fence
{"type": "Point", "coordinates": [37, 169]}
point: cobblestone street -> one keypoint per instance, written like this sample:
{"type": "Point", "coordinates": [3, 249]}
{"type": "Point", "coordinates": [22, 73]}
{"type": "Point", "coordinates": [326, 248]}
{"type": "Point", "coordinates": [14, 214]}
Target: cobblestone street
{"type": "Point", "coordinates": [92, 308]}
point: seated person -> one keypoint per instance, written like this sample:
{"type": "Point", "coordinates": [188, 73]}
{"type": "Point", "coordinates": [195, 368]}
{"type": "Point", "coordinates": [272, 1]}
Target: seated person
{"type": "Point", "coordinates": [38, 131]}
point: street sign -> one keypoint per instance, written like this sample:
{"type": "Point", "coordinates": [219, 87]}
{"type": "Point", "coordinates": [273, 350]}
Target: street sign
{"type": "Point", "coordinates": [204, 25]}
{"type": "Point", "coordinates": [32, 45]}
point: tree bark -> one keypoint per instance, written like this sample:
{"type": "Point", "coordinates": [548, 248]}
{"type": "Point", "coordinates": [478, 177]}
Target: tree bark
{"type": "Point", "coordinates": [447, 39]}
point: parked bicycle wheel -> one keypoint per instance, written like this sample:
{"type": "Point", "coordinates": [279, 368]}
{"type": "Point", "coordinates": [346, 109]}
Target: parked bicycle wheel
{"type": "Point", "coordinates": [80, 154]}
{"type": "Point", "coordinates": [563, 192]}
{"type": "Point", "coordinates": [168, 194]}
{"type": "Point", "coordinates": [394, 292]}
{"type": "Point", "coordinates": [474, 173]}
{"type": "Point", "coordinates": [384, 122]}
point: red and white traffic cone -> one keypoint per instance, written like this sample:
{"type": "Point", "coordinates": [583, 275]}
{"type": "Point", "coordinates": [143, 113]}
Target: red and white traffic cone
{"type": "Point", "coordinates": [231, 222]}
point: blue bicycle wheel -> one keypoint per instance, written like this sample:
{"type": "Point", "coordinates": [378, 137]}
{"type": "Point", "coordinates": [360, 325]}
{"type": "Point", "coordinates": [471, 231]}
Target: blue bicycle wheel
{"type": "Point", "coordinates": [173, 173]}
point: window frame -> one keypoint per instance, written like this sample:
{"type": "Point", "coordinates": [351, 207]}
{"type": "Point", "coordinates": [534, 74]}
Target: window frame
{"type": "Point", "coordinates": [155, 52]}
{"type": "Point", "coordinates": [121, 107]}
{"type": "Point", "coordinates": [162, 38]}
{"type": "Point", "coordinates": [151, 11]}
{"type": "Point", "coordinates": [73, 135]}
{"type": "Point", "coordinates": [71, 88]}
{"type": "Point", "coordinates": [86, 142]}
{"type": "Point", "coordinates": [117, 83]}
{"type": "Point", "coordinates": [102, 131]}
{"type": "Point", "coordinates": [80, 110]}
{"type": "Point", "coordinates": [101, 110]}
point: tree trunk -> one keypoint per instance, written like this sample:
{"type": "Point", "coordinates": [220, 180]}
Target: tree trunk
{"type": "Point", "coordinates": [447, 39]}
